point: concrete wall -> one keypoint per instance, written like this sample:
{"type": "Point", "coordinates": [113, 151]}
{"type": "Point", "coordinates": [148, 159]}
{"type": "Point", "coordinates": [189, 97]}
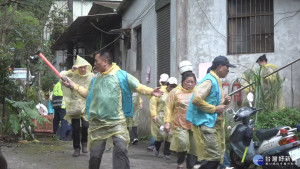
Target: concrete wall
{"type": "Point", "coordinates": [207, 38]}
{"type": "Point", "coordinates": [142, 13]}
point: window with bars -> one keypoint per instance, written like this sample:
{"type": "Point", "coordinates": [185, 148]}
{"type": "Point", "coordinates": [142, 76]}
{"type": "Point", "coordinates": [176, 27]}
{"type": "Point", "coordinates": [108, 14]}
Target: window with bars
{"type": "Point", "coordinates": [250, 26]}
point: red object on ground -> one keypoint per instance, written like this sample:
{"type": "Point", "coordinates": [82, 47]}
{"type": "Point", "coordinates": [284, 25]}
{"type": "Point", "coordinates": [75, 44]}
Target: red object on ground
{"type": "Point", "coordinates": [49, 64]}
{"type": "Point", "coordinates": [45, 127]}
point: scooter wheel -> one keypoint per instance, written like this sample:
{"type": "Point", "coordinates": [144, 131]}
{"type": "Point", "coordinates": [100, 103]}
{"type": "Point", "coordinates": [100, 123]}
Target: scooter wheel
{"type": "Point", "coordinates": [236, 161]}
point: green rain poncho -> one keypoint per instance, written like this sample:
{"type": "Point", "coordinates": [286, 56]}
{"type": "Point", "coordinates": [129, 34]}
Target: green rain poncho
{"type": "Point", "coordinates": [107, 118]}
{"type": "Point", "coordinates": [75, 103]}
{"type": "Point", "coordinates": [205, 137]}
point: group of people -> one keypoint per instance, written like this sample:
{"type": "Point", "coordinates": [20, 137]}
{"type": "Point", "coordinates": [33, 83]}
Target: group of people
{"type": "Point", "coordinates": [192, 116]}
{"type": "Point", "coordinates": [187, 117]}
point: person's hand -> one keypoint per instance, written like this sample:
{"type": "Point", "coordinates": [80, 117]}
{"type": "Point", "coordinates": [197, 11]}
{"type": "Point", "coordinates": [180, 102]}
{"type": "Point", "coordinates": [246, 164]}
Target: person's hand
{"type": "Point", "coordinates": [68, 82]}
{"type": "Point", "coordinates": [157, 92]}
{"type": "Point", "coordinates": [227, 99]}
{"type": "Point", "coordinates": [167, 127]}
{"type": "Point", "coordinates": [220, 108]}
{"type": "Point", "coordinates": [74, 67]}
{"type": "Point", "coordinates": [154, 119]}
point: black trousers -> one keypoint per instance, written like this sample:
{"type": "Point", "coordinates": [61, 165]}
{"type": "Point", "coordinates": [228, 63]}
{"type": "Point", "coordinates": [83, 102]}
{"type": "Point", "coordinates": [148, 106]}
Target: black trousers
{"type": "Point", "coordinates": [209, 165]}
{"type": "Point", "coordinates": [166, 150]}
{"type": "Point", "coordinates": [134, 132]}
{"type": "Point", "coordinates": [190, 159]}
{"type": "Point", "coordinates": [76, 132]}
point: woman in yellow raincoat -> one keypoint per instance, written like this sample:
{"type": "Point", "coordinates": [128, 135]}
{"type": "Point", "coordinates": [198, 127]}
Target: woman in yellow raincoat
{"type": "Point", "coordinates": [157, 110]}
{"type": "Point", "coordinates": [75, 103]}
{"type": "Point", "coordinates": [269, 68]}
{"type": "Point", "coordinates": [177, 103]}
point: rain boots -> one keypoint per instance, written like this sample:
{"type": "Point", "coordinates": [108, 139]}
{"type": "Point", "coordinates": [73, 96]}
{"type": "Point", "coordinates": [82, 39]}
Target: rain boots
{"type": "Point", "coordinates": [76, 152]}
{"type": "Point", "coordinates": [84, 148]}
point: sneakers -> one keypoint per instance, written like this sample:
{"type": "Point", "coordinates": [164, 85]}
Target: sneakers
{"type": "Point", "coordinates": [150, 148]}
{"type": "Point", "coordinates": [135, 141]}
{"type": "Point", "coordinates": [84, 148]}
{"type": "Point", "coordinates": [197, 166]}
{"type": "Point", "coordinates": [155, 152]}
{"type": "Point", "coordinates": [76, 152]}
{"type": "Point", "coordinates": [166, 157]}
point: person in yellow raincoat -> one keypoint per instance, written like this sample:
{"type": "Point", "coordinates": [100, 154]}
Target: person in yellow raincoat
{"type": "Point", "coordinates": [205, 112]}
{"type": "Point", "coordinates": [163, 84]}
{"type": "Point", "coordinates": [269, 68]}
{"type": "Point", "coordinates": [177, 103]}
{"type": "Point", "coordinates": [106, 115]}
{"type": "Point", "coordinates": [157, 110]}
{"type": "Point", "coordinates": [75, 103]}
{"type": "Point", "coordinates": [133, 122]}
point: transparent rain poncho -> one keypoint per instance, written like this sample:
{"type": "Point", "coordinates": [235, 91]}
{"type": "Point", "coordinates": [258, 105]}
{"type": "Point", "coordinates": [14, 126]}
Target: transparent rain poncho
{"type": "Point", "coordinates": [75, 103]}
{"type": "Point", "coordinates": [107, 118]}
{"type": "Point", "coordinates": [176, 107]}
{"type": "Point", "coordinates": [157, 108]}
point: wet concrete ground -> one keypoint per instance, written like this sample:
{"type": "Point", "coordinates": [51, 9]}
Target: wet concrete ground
{"type": "Point", "coordinates": [50, 154]}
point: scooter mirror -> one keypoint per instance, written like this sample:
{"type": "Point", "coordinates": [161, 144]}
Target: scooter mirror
{"type": "Point", "coordinates": [250, 97]}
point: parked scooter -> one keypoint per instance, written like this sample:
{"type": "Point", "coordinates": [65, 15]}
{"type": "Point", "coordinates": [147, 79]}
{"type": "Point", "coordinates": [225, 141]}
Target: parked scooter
{"type": "Point", "coordinates": [274, 144]}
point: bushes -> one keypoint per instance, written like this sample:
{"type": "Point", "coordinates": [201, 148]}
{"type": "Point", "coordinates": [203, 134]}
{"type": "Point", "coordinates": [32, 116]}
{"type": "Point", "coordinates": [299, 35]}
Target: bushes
{"type": "Point", "coordinates": [282, 117]}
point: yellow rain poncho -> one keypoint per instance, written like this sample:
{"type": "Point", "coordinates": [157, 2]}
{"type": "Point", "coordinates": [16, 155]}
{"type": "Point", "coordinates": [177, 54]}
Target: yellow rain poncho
{"type": "Point", "coordinates": [107, 118]}
{"type": "Point", "coordinates": [157, 108]}
{"type": "Point", "coordinates": [200, 94]}
{"type": "Point", "coordinates": [75, 103]}
{"type": "Point", "coordinates": [136, 101]}
{"type": "Point", "coordinates": [273, 80]}
{"type": "Point", "coordinates": [176, 107]}
{"type": "Point", "coordinates": [269, 68]}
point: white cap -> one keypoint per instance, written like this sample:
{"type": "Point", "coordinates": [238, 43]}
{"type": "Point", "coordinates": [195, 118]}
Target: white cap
{"type": "Point", "coordinates": [62, 72]}
{"type": "Point", "coordinates": [172, 80]}
{"type": "Point", "coordinates": [163, 77]}
{"type": "Point", "coordinates": [185, 66]}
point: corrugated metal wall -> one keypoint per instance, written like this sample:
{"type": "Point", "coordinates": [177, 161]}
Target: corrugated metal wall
{"type": "Point", "coordinates": [163, 40]}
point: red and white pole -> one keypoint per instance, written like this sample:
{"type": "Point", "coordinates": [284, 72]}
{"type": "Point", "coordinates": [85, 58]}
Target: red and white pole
{"type": "Point", "coordinates": [49, 64]}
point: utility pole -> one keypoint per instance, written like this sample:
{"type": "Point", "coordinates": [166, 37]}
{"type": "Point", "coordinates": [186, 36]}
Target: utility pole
{"type": "Point", "coordinates": [70, 8]}
{"type": "Point", "coordinates": [70, 56]}
{"type": "Point", "coordinates": [27, 75]}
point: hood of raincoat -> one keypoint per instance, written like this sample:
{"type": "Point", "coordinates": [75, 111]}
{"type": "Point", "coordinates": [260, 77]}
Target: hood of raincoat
{"type": "Point", "coordinates": [82, 62]}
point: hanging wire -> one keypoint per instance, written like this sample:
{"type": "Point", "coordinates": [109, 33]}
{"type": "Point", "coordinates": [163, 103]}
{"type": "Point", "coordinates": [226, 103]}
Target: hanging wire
{"type": "Point", "coordinates": [210, 21]}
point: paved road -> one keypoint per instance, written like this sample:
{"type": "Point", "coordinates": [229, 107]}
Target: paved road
{"type": "Point", "coordinates": [58, 155]}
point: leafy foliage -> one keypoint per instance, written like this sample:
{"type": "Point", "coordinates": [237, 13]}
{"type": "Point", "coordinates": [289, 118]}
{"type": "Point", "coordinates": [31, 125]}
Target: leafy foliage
{"type": "Point", "coordinates": [267, 91]}
{"type": "Point", "coordinates": [283, 117]}
{"type": "Point", "coordinates": [20, 117]}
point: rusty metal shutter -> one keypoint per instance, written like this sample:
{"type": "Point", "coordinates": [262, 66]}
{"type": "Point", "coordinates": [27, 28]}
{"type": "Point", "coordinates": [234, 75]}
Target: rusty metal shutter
{"type": "Point", "coordinates": [163, 40]}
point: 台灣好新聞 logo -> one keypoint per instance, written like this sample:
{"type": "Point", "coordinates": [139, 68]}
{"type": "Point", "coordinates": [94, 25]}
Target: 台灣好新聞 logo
{"type": "Point", "coordinates": [258, 160]}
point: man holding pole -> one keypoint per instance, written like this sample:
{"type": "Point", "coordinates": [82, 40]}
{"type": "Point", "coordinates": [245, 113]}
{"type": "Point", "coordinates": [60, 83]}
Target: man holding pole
{"type": "Point", "coordinates": [107, 108]}
{"type": "Point", "coordinates": [75, 103]}
{"type": "Point", "coordinates": [205, 112]}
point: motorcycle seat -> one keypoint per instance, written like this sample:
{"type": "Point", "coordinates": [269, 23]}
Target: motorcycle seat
{"type": "Point", "coordinates": [265, 134]}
